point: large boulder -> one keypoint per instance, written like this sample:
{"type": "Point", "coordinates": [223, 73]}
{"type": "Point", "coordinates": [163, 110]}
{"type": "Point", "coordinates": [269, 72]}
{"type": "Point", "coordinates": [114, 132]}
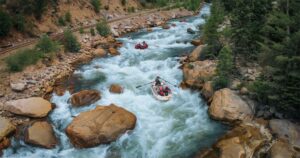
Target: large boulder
{"type": "Point", "coordinates": [196, 73]}
{"type": "Point", "coordinates": [40, 133]}
{"type": "Point", "coordinates": [102, 125]}
{"type": "Point", "coordinates": [31, 107]}
{"type": "Point", "coordinates": [85, 97]}
{"type": "Point", "coordinates": [112, 51]}
{"type": "Point", "coordinates": [115, 88]}
{"type": "Point", "coordinates": [244, 141]}
{"type": "Point", "coordinates": [282, 149]}
{"type": "Point", "coordinates": [286, 130]}
{"type": "Point", "coordinates": [191, 31]}
{"type": "Point", "coordinates": [195, 55]}
{"type": "Point", "coordinates": [6, 127]}
{"type": "Point", "coordinates": [226, 105]}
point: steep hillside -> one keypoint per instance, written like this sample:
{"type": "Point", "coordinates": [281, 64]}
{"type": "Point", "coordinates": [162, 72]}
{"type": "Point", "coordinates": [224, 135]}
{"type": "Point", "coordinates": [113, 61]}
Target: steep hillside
{"type": "Point", "coordinates": [29, 18]}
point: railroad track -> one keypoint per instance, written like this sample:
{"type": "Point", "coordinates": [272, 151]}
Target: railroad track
{"type": "Point", "coordinates": [60, 35]}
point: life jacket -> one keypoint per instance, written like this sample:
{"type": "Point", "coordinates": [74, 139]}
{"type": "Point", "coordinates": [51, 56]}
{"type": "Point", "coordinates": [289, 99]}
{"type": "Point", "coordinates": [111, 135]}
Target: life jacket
{"type": "Point", "coordinates": [161, 92]}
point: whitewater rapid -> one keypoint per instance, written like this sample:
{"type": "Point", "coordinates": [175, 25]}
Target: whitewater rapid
{"type": "Point", "coordinates": [175, 129]}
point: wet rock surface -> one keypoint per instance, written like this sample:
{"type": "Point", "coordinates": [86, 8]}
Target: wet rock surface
{"type": "Point", "coordinates": [85, 97]}
{"type": "Point", "coordinates": [102, 125]}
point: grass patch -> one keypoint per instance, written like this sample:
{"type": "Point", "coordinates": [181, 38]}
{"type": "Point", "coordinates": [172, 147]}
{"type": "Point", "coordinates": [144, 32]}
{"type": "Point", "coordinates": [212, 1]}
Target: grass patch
{"type": "Point", "coordinates": [103, 29]}
{"type": "Point", "coordinates": [22, 59]}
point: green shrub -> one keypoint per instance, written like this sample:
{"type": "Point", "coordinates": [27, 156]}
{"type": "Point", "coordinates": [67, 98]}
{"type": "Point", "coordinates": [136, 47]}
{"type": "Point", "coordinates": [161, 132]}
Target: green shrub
{"type": "Point", "coordinates": [70, 41]}
{"type": "Point", "coordinates": [39, 8]}
{"type": "Point", "coordinates": [21, 59]}
{"type": "Point", "coordinates": [68, 17]}
{"type": "Point", "coordinates": [19, 22]}
{"type": "Point", "coordinates": [96, 4]}
{"type": "Point", "coordinates": [220, 82]}
{"type": "Point", "coordinates": [131, 9]}
{"type": "Point", "coordinates": [61, 21]}
{"type": "Point", "coordinates": [92, 30]}
{"type": "Point", "coordinates": [106, 7]}
{"type": "Point", "coordinates": [46, 45]}
{"type": "Point", "coordinates": [81, 30]}
{"type": "Point", "coordinates": [123, 2]}
{"type": "Point", "coordinates": [103, 29]}
{"type": "Point", "coordinates": [5, 23]}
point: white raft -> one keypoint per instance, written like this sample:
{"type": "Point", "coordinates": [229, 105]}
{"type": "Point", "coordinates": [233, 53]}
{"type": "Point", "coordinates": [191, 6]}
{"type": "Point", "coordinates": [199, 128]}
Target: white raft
{"type": "Point", "coordinates": [155, 90]}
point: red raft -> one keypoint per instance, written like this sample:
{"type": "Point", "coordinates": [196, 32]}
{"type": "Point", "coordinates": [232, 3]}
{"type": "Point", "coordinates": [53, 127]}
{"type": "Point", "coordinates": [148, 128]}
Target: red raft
{"type": "Point", "coordinates": [141, 46]}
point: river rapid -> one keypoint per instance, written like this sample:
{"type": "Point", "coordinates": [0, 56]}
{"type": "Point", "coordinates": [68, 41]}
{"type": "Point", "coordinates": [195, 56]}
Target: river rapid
{"type": "Point", "coordinates": [178, 128]}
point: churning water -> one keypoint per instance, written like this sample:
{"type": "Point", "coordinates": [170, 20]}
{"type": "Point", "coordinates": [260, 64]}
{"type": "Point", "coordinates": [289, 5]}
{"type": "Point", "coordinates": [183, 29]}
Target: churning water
{"type": "Point", "coordinates": [175, 129]}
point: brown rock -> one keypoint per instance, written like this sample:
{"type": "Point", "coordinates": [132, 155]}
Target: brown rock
{"type": "Point", "coordinates": [6, 127]}
{"type": "Point", "coordinates": [196, 42]}
{"type": "Point", "coordinates": [166, 27]}
{"type": "Point", "coordinates": [99, 52]}
{"type": "Point", "coordinates": [286, 130]}
{"type": "Point", "coordinates": [207, 90]}
{"type": "Point", "coordinates": [113, 51]}
{"type": "Point", "coordinates": [102, 125]}
{"type": "Point", "coordinates": [5, 143]}
{"type": "Point", "coordinates": [195, 55]}
{"type": "Point", "coordinates": [196, 73]}
{"type": "Point", "coordinates": [282, 149]}
{"type": "Point", "coordinates": [244, 91]}
{"type": "Point", "coordinates": [41, 134]}
{"type": "Point", "coordinates": [241, 142]}
{"type": "Point", "coordinates": [31, 107]}
{"type": "Point", "coordinates": [149, 29]}
{"type": "Point", "coordinates": [111, 39]}
{"type": "Point", "coordinates": [18, 87]}
{"type": "Point", "coordinates": [85, 97]}
{"type": "Point", "coordinates": [228, 106]}
{"type": "Point", "coordinates": [115, 88]}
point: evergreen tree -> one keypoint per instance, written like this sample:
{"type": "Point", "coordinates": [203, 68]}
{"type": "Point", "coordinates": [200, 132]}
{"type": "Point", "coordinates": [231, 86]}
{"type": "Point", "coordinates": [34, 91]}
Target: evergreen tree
{"type": "Point", "coordinates": [5, 23]}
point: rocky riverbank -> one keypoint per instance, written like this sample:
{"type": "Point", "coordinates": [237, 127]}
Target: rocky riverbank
{"type": "Point", "coordinates": [28, 88]}
{"type": "Point", "coordinates": [251, 135]}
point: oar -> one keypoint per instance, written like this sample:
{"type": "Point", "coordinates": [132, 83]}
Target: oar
{"type": "Point", "coordinates": [169, 82]}
{"type": "Point", "coordinates": [143, 85]}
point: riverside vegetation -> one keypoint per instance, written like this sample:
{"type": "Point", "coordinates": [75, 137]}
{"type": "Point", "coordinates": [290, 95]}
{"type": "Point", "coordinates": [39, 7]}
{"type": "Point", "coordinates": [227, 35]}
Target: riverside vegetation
{"type": "Point", "coordinates": [269, 36]}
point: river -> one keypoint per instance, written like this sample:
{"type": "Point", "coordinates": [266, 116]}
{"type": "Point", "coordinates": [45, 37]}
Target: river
{"type": "Point", "coordinates": [178, 128]}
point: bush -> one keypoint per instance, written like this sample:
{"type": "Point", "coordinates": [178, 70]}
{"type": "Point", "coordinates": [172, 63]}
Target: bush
{"type": "Point", "coordinates": [220, 82]}
{"type": "Point", "coordinates": [19, 22]}
{"type": "Point", "coordinates": [96, 4]}
{"type": "Point", "coordinates": [39, 8]}
{"type": "Point", "coordinates": [131, 9]}
{"type": "Point", "coordinates": [46, 45]}
{"type": "Point", "coordinates": [123, 2]}
{"type": "Point", "coordinates": [21, 59]}
{"type": "Point", "coordinates": [103, 28]}
{"type": "Point", "coordinates": [5, 23]}
{"type": "Point", "coordinates": [92, 30]}
{"type": "Point", "coordinates": [81, 30]}
{"type": "Point", "coordinates": [68, 17]}
{"type": "Point", "coordinates": [61, 21]}
{"type": "Point", "coordinates": [70, 41]}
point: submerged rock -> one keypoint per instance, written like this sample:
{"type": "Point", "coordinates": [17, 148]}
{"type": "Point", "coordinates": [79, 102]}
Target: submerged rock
{"type": "Point", "coordinates": [31, 107]}
{"type": "Point", "coordinates": [102, 125]}
{"type": "Point", "coordinates": [196, 73]}
{"type": "Point", "coordinates": [226, 105]}
{"type": "Point", "coordinates": [191, 31]}
{"type": "Point", "coordinates": [113, 52]}
{"type": "Point", "coordinates": [115, 88]}
{"type": "Point", "coordinates": [85, 97]}
{"type": "Point", "coordinates": [41, 134]}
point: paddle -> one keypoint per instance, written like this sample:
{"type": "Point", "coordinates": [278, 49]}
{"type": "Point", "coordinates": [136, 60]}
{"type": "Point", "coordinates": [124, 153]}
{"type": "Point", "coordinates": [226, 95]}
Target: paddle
{"type": "Point", "coordinates": [168, 82]}
{"type": "Point", "coordinates": [143, 85]}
